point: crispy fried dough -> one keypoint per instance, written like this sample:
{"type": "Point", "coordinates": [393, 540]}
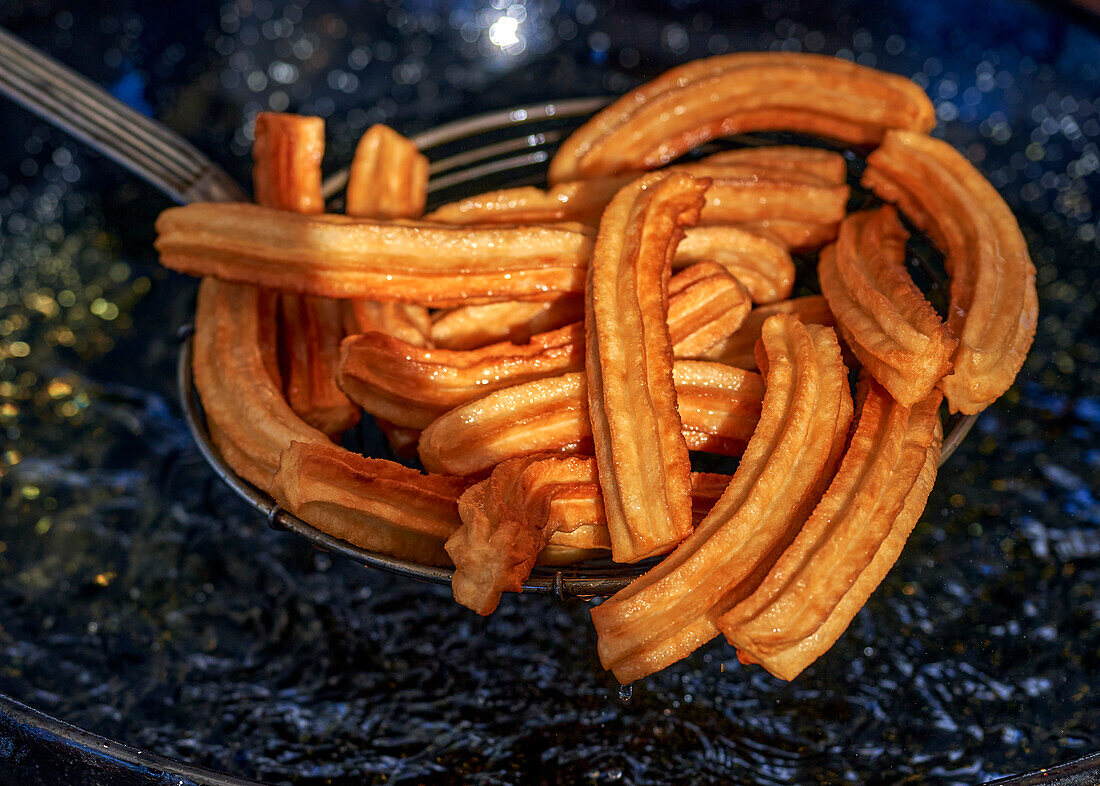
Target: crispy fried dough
{"type": "Point", "coordinates": [523, 508]}
{"type": "Point", "coordinates": [411, 386]}
{"type": "Point", "coordinates": [665, 614]}
{"type": "Point", "coordinates": [719, 406]}
{"type": "Point", "coordinates": [371, 503]}
{"type": "Point", "coordinates": [246, 413]}
{"type": "Point", "coordinates": [636, 432]}
{"type": "Point", "coordinates": [341, 256]}
{"type": "Point", "coordinates": [728, 94]}
{"type": "Point", "coordinates": [388, 176]}
{"type": "Point", "coordinates": [738, 349]}
{"type": "Point", "coordinates": [880, 488]}
{"type": "Point", "coordinates": [762, 264]}
{"type": "Point", "coordinates": [881, 314]}
{"type": "Point", "coordinates": [470, 327]}
{"type": "Point", "coordinates": [994, 306]}
{"type": "Point", "coordinates": [287, 155]}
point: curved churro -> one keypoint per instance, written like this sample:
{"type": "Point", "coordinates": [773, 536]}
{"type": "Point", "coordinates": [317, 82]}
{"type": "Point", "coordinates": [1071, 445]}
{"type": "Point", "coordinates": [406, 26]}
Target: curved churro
{"type": "Point", "coordinates": [818, 584]}
{"type": "Point", "coordinates": [528, 505]}
{"type": "Point", "coordinates": [729, 94]}
{"type": "Point", "coordinates": [371, 503]}
{"type": "Point", "coordinates": [340, 256]}
{"type": "Point", "coordinates": [738, 349]}
{"type": "Point", "coordinates": [719, 406]}
{"type": "Point", "coordinates": [412, 386]}
{"type": "Point", "coordinates": [470, 327]}
{"type": "Point", "coordinates": [881, 314]}
{"type": "Point", "coordinates": [664, 615]}
{"type": "Point", "coordinates": [636, 433]}
{"type": "Point", "coordinates": [994, 305]}
{"type": "Point", "coordinates": [761, 263]}
{"type": "Point", "coordinates": [246, 413]}
{"type": "Point", "coordinates": [388, 176]}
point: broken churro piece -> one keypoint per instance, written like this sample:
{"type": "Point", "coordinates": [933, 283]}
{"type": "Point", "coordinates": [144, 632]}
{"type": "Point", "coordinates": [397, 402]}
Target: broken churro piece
{"type": "Point", "coordinates": [667, 613]}
{"type": "Point", "coordinates": [508, 519]}
{"type": "Point", "coordinates": [818, 584]}
{"type": "Point", "coordinates": [730, 94]}
{"type": "Point", "coordinates": [287, 155]}
{"type": "Point", "coordinates": [994, 305]}
{"type": "Point", "coordinates": [880, 312]}
{"type": "Point", "coordinates": [388, 176]}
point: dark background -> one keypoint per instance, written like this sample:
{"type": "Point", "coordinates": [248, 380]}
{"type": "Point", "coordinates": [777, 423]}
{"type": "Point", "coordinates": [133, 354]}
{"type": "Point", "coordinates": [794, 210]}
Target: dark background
{"type": "Point", "coordinates": [141, 600]}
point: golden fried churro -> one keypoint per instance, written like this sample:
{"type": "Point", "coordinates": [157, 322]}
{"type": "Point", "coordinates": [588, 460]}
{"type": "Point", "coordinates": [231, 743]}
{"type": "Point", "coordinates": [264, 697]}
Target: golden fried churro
{"type": "Point", "coordinates": [371, 503]}
{"type": "Point", "coordinates": [246, 412]}
{"type": "Point", "coordinates": [762, 264]}
{"type": "Point", "coordinates": [636, 434]}
{"type": "Point", "coordinates": [665, 614]}
{"type": "Point", "coordinates": [879, 490]}
{"type": "Point", "coordinates": [880, 312]}
{"type": "Point", "coordinates": [779, 162]}
{"type": "Point", "coordinates": [729, 94]}
{"type": "Point", "coordinates": [287, 155]}
{"type": "Point", "coordinates": [719, 406]}
{"type": "Point", "coordinates": [738, 349]}
{"type": "Point", "coordinates": [411, 386]}
{"type": "Point", "coordinates": [407, 321]}
{"type": "Point", "coordinates": [508, 519]}
{"type": "Point", "coordinates": [470, 327]}
{"type": "Point", "coordinates": [994, 305]}
{"type": "Point", "coordinates": [311, 331]}
{"type": "Point", "coordinates": [388, 176]}
{"type": "Point", "coordinates": [340, 256]}
{"type": "Point", "coordinates": [287, 175]}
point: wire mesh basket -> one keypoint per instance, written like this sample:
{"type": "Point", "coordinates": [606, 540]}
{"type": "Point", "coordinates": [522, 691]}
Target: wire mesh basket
{"type": "Point", "coordinates": [512, 147]}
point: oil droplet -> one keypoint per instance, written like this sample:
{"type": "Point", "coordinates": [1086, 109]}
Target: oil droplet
{"type": "Point", "coordinates": [625, 692]}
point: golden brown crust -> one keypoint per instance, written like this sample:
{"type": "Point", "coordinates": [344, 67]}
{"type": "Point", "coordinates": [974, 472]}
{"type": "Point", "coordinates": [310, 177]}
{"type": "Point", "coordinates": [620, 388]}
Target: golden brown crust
{"type": "Point", "coordinates": [761, 263]}
{"type": "Point", "coordinates": [994, 304]}
{"type": "Point", "coordinates": [882, 473]}
{"type": "Point", "coordinates": [341, 256]}
{"type": "Point", "coordinates": [287, 155]}
{"type": "Point", "coordinates": [636, 431]}
{"type": "Point", "coordinates": [412, 386]}
{"type": "Point", "coordinates": [719, 406]}
{"type": "Point", "coordinates": [371, 503]}
{"type": "Point", "coordinates": [735, 93]}
{"type": "Point", "coordinates": [245, 409]}
{"type": "Point", "coordinates": [470, 327]}
{"type": "Point", "coordinates": [671, 610]}
{"type": "Point", "coordinates": [739, 348]}
{"type": "Point", "coordinates": [881, 314]}
{"type": "Point", "coordinates": [527, 507]}
{"type": "Point", "coordinates": [388, 176]}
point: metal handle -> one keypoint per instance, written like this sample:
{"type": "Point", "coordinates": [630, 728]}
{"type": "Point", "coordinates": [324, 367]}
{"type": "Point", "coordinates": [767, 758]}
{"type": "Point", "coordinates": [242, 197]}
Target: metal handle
{"type": "Point", "coordinates": [145, 147]}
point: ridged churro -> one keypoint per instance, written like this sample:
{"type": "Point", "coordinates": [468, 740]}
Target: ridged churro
{"type": "Point", "coordinates": [341, 256]}
{"type": "Point", "coordinates": [508, 519]}
{"type": "Point", "coordinates": [760, 263]}
{"type": "Point", "coordinates": [412, 386]}
{"type": "Point", "coordinates": [728, 94]}
{"type": "Point", "coordinates": [388, 176]}
{"type": "Point", "coordinates": [994, 305]}
{"type": "Point", "coordinates": [817, 585]}
{"type": "Point", "coordinates": [636, 432]}
{"type": "Point", "coordinates": [470, 327]}
{"type": "Point", "coordinates": [881, 314]}
{"type": "Point", "coordinates": [667, 613]}
{"type": "Point", "coordinates": [738, 349]}
{"type": "Point", "coordinates": [719, 406]}
{"type": "Point", "coordinates": [374, 504]}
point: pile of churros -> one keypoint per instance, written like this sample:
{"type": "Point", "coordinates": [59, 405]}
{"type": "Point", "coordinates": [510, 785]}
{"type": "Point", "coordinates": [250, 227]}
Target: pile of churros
{"type": "Point", "coordinates": [554, 356]}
